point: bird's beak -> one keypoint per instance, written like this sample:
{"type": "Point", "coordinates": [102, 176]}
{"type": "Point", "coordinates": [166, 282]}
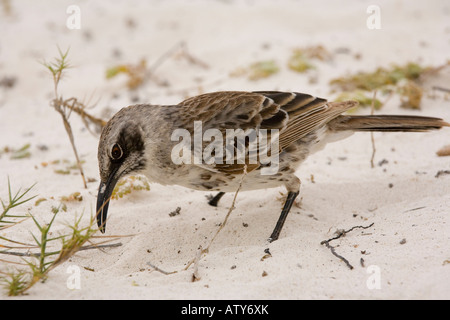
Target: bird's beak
{"type": "Point", "coordinates": [104, 196]}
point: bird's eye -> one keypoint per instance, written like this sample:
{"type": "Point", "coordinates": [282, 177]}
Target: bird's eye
{"type": "Point", "coordinates": [116, 152]}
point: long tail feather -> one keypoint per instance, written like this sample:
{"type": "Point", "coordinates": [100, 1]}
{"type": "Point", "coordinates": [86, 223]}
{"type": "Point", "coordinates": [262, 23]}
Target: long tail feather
{"type": "Point", "coordinates": [387, 123]}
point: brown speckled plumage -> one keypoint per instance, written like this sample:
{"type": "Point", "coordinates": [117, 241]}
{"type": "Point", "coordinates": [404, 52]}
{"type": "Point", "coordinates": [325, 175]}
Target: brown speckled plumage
{"type": "Point", "coordinates": [305, 125]}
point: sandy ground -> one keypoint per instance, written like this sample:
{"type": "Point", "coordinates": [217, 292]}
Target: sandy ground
{"type": "Point", "coordinates": [404, 255]}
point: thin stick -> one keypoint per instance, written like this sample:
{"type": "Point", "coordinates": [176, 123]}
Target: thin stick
{"type": "Point", "coordinates": [101, 246]}
{"type": "Point", "coordinates": [80, 109]}
{"type": "Point", "coordinates": [374, 150]}
{"type": "Point", "coordinates": [440, 89]}
{"type": "Point", "coordinates": [191, 59]}
{"type": "Point", "coordinates": [185, 53]}
{"type": "Point", "coordinates": [224, 221]}
{"type": "Point", "coordinates": [21, 254]}
{"type": "Point", "coordinates": [340, 234]}
{"type": "Point", "coordinates": [338, 256]}
{"type": "Point", "coordinates": [201, 251]}
{"type": "Point", "coordinates": [166, 55]}
{"type": "Point", "coordinates": [160, 270]}
{"type": "Point", "coordinates": [59, 104]}
{"type": "Point", "coordinates": [231, 208]}
{"type": "Point", "coordinates": [12, 262]}
{"type": "Point", "coordinates": [37, 255]}
{"type": "Point", "coordinates": [195, 274]}
{"type": "Point", "coordinates": [72, 142]}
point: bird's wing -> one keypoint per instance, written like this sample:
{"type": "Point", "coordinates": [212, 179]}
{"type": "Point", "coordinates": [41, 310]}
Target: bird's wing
{"type": "Point", "coordinates": [294, 114]}
{"type": "Point", "coordinates": [306, 113]}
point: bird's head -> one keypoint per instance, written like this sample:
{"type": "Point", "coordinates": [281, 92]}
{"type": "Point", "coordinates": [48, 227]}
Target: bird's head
{"type": "Point", "coordinates": [121, 152]}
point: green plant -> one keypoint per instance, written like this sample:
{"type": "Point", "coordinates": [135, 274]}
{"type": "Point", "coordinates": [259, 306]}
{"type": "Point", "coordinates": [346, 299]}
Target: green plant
{"type": "Point", "coordinates": [136, 73]}
{"type": "Point", "coordinates": [36, 266]}
{"type": "Point", "coordinates": [57, 69]}
{"type": "Point", "coordinates": [380, 78]}
{"type": "Point", "coordinates": [45, 252]}
{"type": "Point", "coordinates": [363, 97]}
{"type": "Point", "coordinates": [41, 268]}
{"type": "Point", "coordinates": [399, 79]}
{"type": "Point", "coordinates": [15, 282]}
{"type": "Point", "coordinates": [300, 59]}
{"type": "Point", "coordinates": [262, 69]}
{"type": "Point", "coordinates": [7, 219]}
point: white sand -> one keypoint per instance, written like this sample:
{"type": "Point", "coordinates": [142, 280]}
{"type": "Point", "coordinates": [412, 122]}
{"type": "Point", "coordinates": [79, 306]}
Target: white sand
{"type": "Point", "coordinates": [226, 35]}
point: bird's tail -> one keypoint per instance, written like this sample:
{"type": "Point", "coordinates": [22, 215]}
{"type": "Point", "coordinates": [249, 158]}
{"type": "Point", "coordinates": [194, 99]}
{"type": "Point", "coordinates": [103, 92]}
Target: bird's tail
{"type": "Point", "coordinates": [389, 123]}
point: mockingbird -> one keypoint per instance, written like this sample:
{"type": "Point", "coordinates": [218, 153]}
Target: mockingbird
{"type": "Point", "coordinates": [139, 139]}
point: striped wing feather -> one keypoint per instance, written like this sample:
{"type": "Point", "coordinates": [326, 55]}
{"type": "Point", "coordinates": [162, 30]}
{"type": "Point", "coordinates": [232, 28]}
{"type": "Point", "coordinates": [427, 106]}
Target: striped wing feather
{"type": "Point", "coordinates": [294, 114]}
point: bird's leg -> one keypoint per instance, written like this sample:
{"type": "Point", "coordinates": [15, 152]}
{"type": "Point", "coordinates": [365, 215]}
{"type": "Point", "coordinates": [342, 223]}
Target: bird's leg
{"type": "Point", "coordinates": [293, 192]}
{"type": "Point", "coordinates": [215, 200]}
{"type": "Point", "coordinates": [284, 213]}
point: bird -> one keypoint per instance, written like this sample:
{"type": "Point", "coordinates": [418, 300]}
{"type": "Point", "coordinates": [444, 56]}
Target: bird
{"type": "Point", "coordinates": [138, 139]}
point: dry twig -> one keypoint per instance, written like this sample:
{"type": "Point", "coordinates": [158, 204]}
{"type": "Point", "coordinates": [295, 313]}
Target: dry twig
{"type": "Point", "coordinates": [195, 274]}
{"type": "Point", "coordinates": [139, 73]}
{"type": "Point", "coordinates": [342, 233]}
{"type": "Point", "coordinates": [60, 105]}
{"type": "Point", "coordinates": [441, 89]}
{"type": "Point", "coordinates": [374, 150]}
{"type": "Point", "coordinates": [222, 225]}
{"type": "Point", "coordinates": [160, 270]}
